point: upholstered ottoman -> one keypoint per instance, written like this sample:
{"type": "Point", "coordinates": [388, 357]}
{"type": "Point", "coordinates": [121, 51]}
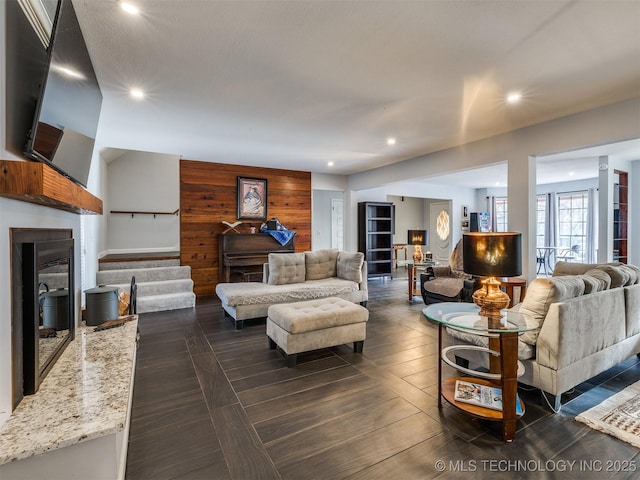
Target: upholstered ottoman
{"type": "Point", "coordinates": [326, 322]}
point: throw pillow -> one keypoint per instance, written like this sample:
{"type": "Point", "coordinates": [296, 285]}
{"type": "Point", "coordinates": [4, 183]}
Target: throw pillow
{"type": "Point", "coordinates": [619, 277]}
{"type": "Point", "coordinates": [636, 269]}
{"type": "Point", "coordinates": [591, 284]}
{"type": "Point", "coordinates": [285, 268]}
{"type": "Point", "coordinates": [603, 279]}
{"type": "Point", "coordinates": [349, 266]}
{"type": "Point", "coordinates": [455, 260]}
{"type": "Point", "coordinates": [321, 264]}
{"type": "Point", "coordinates": [631, 273]}
{"type": "Point", "coordinates": [541, 293]}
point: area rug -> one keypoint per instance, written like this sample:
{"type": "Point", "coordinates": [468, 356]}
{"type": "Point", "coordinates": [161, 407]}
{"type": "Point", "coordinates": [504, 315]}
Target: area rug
{"type": "Point", "coordinates": [619, 415]}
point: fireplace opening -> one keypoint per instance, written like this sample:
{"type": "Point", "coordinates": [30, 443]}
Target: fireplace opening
{"type": "Point", "coordinates": [48, 306]}
{"type": "Point", "coordinates": [42, 304]}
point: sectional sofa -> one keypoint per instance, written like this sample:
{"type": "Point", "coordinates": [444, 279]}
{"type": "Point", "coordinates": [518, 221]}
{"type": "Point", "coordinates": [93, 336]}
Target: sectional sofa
{"type": "Point", "coordinates": [294, 277]}
{"type": "Point", "coordinates": [589, 321]}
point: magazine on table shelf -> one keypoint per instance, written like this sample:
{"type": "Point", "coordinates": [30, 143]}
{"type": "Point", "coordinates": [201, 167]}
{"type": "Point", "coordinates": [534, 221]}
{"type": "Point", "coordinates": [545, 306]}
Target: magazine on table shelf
{"type": "Point", "coordinates": [482, 395]}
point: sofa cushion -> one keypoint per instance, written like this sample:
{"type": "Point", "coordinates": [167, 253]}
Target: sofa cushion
{"type": "Point", "coordinates": [633, 273]}
{"type": "Point", "coordinates": [445, 286]}
{"type": "Point", "coordinates": [591, 284]}
{"type": "Point", "coordinates": [256, 293]}
{"type": "Point", "coordinates": [541, 293]}
{"type": "Point", "coordinates": [320, 264]}
{"type": "Point", "coordinates": [636, 269]}
{"type": "Point", "coordinates": [603, 279]}
{"type": "Point", "coordinates": [349, 266]}
{"type": "Point", "coordinates": [619, 276]}
{"type": "Point", "coordinates": [286, 268]}
{"type": "Point", "coordinates": [571, 268]}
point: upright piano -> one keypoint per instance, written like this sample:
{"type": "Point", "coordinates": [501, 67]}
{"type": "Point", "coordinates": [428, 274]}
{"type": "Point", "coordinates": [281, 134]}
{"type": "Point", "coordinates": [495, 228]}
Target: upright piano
{"type": "Point", "coordinates": [242, 254]}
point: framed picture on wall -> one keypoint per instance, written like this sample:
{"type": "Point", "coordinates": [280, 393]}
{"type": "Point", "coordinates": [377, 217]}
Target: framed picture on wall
{"type": "Point", "coordinates": [252, 198]}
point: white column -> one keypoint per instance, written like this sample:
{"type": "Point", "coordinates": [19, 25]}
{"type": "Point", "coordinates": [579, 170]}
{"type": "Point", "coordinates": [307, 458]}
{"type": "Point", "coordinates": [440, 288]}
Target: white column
{"type": "Point", "coordinates": [605, 211]}
{"type": "Point", "coordinates": [522, 209]}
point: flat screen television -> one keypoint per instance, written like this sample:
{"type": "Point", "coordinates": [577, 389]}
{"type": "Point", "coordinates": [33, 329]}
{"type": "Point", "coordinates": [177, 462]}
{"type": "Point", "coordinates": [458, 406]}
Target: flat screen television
{"type": "Point", "coordinates": [68, 106]}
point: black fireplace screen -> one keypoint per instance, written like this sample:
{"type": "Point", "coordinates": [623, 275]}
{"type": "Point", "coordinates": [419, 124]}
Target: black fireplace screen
{"type": "Point", "coordinates": [48, 307]}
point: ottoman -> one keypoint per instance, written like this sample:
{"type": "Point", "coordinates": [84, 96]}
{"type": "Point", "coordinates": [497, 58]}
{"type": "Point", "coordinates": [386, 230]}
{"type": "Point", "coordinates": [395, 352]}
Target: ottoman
{"type": "Point", "coordinates": [326, 322]}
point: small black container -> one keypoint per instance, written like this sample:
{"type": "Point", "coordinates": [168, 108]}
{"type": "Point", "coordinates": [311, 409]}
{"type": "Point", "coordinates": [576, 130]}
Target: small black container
{"type": "Point", "coordinates": [55, 309]}
{"type": "Point", "coordinates": [102, 304]}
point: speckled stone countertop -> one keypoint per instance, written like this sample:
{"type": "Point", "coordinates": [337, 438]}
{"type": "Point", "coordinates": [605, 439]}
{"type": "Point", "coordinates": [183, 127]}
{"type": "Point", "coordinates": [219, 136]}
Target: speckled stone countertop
{"type": "Point", "coordinates": [84, 396]}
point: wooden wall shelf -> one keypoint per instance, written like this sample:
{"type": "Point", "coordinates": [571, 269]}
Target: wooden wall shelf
{"type": "Point", "coordinates": [35, 182]}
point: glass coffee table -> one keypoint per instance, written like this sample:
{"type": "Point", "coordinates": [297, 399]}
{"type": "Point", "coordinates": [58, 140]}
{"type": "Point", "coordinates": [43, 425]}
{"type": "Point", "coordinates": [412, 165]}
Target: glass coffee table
{"type": "Point", "coordinates": [504, 367]}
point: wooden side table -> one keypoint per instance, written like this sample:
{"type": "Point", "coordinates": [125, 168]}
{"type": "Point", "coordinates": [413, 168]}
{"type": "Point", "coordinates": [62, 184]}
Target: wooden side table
{"type": "Point", "coordinates": [509, 283]}
{"type": "Point", "coordinates": [396, 247]}
{"type": "Point", "coordinates": [413, 277]}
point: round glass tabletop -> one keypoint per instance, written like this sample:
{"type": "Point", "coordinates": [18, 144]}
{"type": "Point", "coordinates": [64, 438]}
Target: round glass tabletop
{"type": "Point", "coordinates": [465, 316]}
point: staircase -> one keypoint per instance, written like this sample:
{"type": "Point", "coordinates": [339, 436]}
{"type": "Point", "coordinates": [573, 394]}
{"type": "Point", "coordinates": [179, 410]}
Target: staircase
{"type": "Point", "coordinates": [162, 283]}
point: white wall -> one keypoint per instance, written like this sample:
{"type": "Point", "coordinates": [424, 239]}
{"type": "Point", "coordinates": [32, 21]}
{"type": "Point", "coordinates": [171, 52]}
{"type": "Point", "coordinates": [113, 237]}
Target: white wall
{"type": "Point", "coordinates": [409, 215]}
{"type": "Point", "coordinates": [634, 205]}
{"type": "Point", "coordinates": [323, 181]}
{"type": "Point", "coordinates": [321, 217]}
{"type": "Point", "coordinates": [143, 182]}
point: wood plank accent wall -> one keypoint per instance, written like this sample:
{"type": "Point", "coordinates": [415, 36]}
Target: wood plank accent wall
{"type": "Point", "coordinates": [208, 195]}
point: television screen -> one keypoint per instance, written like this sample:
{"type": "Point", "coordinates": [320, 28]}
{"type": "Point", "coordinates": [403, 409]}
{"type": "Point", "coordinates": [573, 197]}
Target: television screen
{"type": "Point", "coordinates": [68, 109]}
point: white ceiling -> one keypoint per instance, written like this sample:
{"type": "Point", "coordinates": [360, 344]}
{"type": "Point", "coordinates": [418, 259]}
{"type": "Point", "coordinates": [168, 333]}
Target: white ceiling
{"type": "Point", "coordinates": [287, 84]}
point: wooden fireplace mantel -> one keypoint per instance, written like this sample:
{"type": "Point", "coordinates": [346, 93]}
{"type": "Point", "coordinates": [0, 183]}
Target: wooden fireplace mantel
{"type": "Point", "coordinates": [35, 182]}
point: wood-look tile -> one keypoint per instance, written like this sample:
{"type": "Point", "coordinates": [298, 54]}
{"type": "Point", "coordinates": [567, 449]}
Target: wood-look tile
{"type": "Point", "coordinates": [214, 384]}
{"type": "Point", "coordinates": [282, 374]}
{"type": "Point", "coordinates": [181, 448]}
{"type": "Point", "coordinates": [278, 406]}
{"type": "Point", "coordinates": [288, 387]}
{"type": "Point", "coordinates": [400, 344]}
{"type": "Point", "coordinates": [216, 470]}
{"type": "Point", "coordinates": [361, 452]}
{"type": "Point", "coordinates": [245, 454]}
{"type": "Point", "coordinates": [426, 378]}
{"type": "Point", "coordinates": [412, 367]}
{"type": "Point", "coordinates": [144, 422]}
{"type": "Point", "coordinates": [404, 355]}
{"type": "Point", "coordinates": [337, 430]}
{"type": "Point", "coordinates": [420, 460]}
{"type": "Point", "coordinates": [261, 368]}
{"type": "Point", "coordinates": [320, 411]}
{"type": "Point", "coordinates": [196, 340]}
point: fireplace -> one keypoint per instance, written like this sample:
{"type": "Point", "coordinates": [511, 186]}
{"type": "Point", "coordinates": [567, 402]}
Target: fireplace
{"type": "Point", "coordinates": [43, 304]}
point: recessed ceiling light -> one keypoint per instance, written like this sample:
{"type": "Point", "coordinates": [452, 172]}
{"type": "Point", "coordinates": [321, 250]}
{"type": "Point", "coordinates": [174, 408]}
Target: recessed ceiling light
{"type": "Point", "coordinates": [136, 93]}
{"type": "Point", "coordinates": [571, 174]}
{"type": "Point", "coordinates": [514, 97]}
{"type": "Point", "coordinates": [330, 164]}
{"type": "Point", "coordinates": [391, 141]}
{"type": "Point", "coordinates": [129, 8]}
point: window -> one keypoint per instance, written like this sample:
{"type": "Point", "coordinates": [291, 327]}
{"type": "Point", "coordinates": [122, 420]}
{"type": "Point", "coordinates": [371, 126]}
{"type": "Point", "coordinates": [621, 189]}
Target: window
{"type": "Point", "coordinates": [572, 221]}
{"type": "Point", "coordinates": [501, 214]}
{"type": "Point", "coordinates": [541, 214]}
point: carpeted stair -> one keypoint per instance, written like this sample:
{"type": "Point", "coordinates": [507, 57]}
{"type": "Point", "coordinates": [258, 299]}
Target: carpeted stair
{"type": "Point", "coordinates": [162, 284]}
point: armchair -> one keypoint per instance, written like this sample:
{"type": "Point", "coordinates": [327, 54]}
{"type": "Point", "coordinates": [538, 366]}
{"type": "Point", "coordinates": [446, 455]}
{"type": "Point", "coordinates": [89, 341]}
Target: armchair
{"type": "Point", "coordinates": [448, 283]}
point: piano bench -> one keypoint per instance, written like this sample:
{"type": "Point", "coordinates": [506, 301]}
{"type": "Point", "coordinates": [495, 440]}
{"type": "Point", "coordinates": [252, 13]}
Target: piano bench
{"type": "Point", "coordinates": [251, 276]}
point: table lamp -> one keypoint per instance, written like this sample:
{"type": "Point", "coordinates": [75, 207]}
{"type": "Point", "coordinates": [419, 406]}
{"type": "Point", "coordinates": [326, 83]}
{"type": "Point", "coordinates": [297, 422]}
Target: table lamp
{"type": "Point", "coordinates": [417, 238]}
{"type": "Point", "coordinates": [492, 255]}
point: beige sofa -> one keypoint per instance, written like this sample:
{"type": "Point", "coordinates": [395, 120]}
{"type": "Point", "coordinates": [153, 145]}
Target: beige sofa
{"type": "Point", "coordinates": [589, 321]}
{"type": "Point", "coordinates": [294, 277]}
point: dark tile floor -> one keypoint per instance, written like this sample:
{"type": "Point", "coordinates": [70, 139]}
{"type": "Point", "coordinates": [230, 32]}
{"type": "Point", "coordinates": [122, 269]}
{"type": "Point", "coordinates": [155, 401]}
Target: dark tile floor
{"type": "Point", "coordinates": [211, 402]}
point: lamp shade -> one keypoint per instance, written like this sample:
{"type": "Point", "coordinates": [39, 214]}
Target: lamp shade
{"type": "Point", "coordinates": [417, 237]}
{"type": "Point", "coordinates": [497, 254]}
